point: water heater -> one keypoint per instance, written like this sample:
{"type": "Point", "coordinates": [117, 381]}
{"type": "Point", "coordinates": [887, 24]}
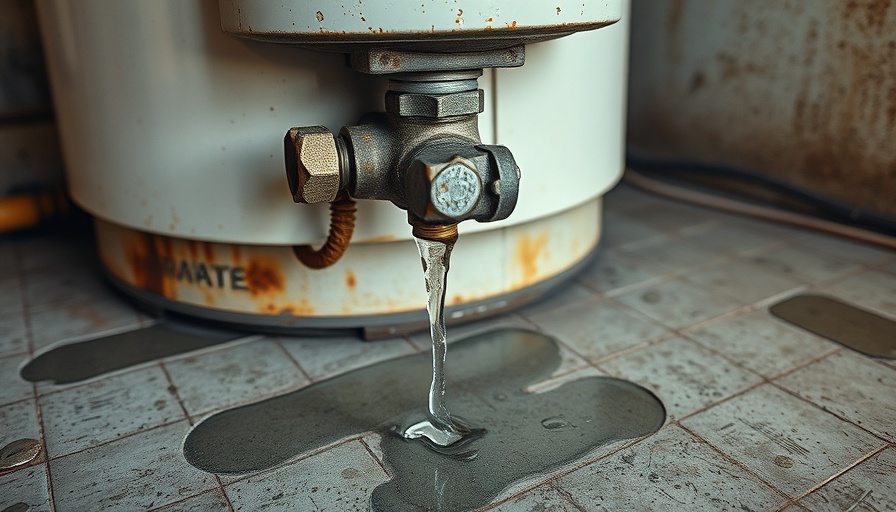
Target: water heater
{"type": "Point", "coordinates": [172, 117]}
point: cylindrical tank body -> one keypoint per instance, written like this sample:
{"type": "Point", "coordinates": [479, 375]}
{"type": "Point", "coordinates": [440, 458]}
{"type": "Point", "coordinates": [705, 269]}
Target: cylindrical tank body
{"type": "Point", "coordinates": [172, 132]}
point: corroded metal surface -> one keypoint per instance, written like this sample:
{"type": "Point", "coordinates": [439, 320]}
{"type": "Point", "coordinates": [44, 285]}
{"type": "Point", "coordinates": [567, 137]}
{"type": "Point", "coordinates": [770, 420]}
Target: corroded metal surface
{"type": "Point", "coordinates": [800, 90]}
{"type": "Point", "coordinates": [268, 285]}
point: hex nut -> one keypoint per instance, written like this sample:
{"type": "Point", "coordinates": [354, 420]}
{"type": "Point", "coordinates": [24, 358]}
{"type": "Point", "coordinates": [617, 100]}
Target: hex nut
{"type": "Point", "coordinates": [312, 164]}
{"type": "Point", "coordinates": [435, 106]}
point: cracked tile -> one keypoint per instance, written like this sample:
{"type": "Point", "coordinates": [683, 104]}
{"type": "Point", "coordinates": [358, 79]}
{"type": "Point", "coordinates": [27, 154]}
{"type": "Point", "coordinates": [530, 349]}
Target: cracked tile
{"type": "Point", "coordinates": [671, 470]}
{"type": "Point", "coordinates": [868, 487]}
{"type": "Point", "coordinates": [785, 440]}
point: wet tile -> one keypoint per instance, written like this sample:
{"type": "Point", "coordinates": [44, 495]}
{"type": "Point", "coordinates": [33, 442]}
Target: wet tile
{"type": "Point", "coordinates": [762, 343]}
{"type": "Point", "coordinates": [612, 271]}
{"type": "Point", "coordinates": [11, 298]}
{"type": "Point", "coordinates": [14, 388]}
{"type": "Point", "coordinates": [541, 499]}
{"type": "Point", "coordinates": [805, 264]}
{"type": "Point", "coordinates": [853, 387]}
{"type": "Point", "coordinates": [213, 501]}
{"type": "Point", "coordinates": [13, 337]}
{"type": "Point", "coordinates": [18, 421]}
{"type": "Point", "coordinates": [868, 487]}
{"type": "Point", "coordinates": [101, 411]}
{"type": "Point", "coordinates": [341, 478]}
{"type": "Point", "coordinates": [873, 289]}
{"type": "Point", "coordinates": [88, 318]}
{"type": "Point", "coordinates": [326, 357]}
{"type": "Point", "coordinates": [685, 376]}
{"type": "Point", "coordinates": [232, 375]}
{"type": "Point", "coordinates": [28, 486]}
{"type": "Point", "coordinates": [597, 328]}
{"type": "Point", "coordinates": [671, 470]}
{"type": "Point", "coordinates": [678, 303]}
{"type": "Point", "coordinates": [785, 440]}
{"type": "Point", "coordinates": [139, 472]}
{"type": "Point", "coordinates": [744, 281]}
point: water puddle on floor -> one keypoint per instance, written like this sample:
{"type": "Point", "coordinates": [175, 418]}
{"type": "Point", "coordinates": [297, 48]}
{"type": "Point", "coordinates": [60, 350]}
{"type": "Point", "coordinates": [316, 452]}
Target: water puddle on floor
{"type": "Point", "coordinates": [854, 328]}
{"type": "Point", "coordinates": [523, 434]}
{"type": "Point", "coordinates": [74, 362]}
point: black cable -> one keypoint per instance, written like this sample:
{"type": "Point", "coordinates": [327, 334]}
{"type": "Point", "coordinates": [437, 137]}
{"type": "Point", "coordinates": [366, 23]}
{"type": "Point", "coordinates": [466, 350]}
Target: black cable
{"type": "Point", "coordinates": [836, 209]}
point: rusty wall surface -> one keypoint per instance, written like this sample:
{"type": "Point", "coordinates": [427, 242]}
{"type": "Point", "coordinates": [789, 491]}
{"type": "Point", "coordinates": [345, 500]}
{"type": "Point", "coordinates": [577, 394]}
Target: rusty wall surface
{"type": "Point", "coordinates": [804, 91]}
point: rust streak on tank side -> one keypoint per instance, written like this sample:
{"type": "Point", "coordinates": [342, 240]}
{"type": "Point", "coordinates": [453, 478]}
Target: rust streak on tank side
{"type": "Point", "coordinates": [351, 282]}
{"type": "Point", "coordinates": [528, 251]}
{"type": "Point", "coordinates": [264, 277]}
{"type": "Point", "coordinates": [208, 251]}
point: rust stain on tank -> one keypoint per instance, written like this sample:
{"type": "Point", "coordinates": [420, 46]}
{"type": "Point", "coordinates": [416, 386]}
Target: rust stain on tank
{"type": "Point", "coordinates": [145, 258]}
{"type": "Point", "coordinates": [208, 251]}
{"type": "Point", "coordinates": [526, 255]}
{"type": "Point", "coordinates": [192, 245]}
{"type": "Point", "coordinates": [351, 282]}
{"type": "Point", "coordinates": [264, 277]}
{"type": "Point", "coordinates": [300, 308]}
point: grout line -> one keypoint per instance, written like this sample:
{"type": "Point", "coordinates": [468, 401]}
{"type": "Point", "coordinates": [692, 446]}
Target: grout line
{"type": "Point", "coordinates": [229, 503]}
{"type": "Point", "coordinates": [841, 473]}
{"type": "Point", "coordinates": [124, 436]}
{"type": "Point", "coordinates": [294, 361]}
{"type": "Point", "coordinates": [43, 441]}
{"type": "Point", "coordinates": [375, 458]}
{"type": "Point", "coordinates": [723, 400]}
{"type": "Point", "coordinates": [832, 413]}
{"type": "Point", "coordinates": [172, 388]}
{"type": "Point", "coordinates": [734, 461]}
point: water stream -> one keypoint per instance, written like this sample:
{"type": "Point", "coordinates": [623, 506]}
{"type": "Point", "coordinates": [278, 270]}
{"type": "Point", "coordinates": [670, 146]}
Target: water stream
{"type": "Point", "coordinates": [439, 428]}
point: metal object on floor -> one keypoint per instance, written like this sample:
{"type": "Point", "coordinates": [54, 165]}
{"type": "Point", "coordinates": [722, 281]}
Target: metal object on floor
{"type": "Point", "coordinates": [19, 453]}
{"type": "Point", "coordinates": [857, 329]}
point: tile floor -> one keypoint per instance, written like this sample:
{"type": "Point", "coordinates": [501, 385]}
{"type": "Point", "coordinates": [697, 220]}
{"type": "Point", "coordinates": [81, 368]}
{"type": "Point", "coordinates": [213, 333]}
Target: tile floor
{"type": "Point", "coordinates": [762, 415]}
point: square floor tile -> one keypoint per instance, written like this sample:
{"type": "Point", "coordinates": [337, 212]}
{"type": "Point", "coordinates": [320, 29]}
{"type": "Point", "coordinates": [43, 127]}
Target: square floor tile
{"type": "Point", "coordinates": [18, 421]}
{"type": "Point", "coordinates": [65, 321]}
{"type": "Point", "coordinates": [558, 298]}
{"type": "Point", "coordinates": [101, 411]}
{"type": "Point", "coordinates": [28, 486]}
{"type": "Point", "coordinates": [14, 388]}
{"type": "Point", "coordinates": [612, 271]}
{"type": "Point", "coordinates": [624, 197]}
{"type": "Point", "coordinates": [678, 303]}
{"type": "Point", "coordinates": [744, 281]}
{"type": "Point", "coordinates": [13, 337]}
{"type": "Point", "coordinates": [140, 472]}
{"type": "Point", "coordinates": [597, 328]}
{"type": "Point", "coordinates": [342, 478]}
{"type": "Point", "coordinates": [874, 289]}
{"type": "Point", "coordinates": [671, 470]}
{"type": "Point", "coordinates": [541, 499]}
{"type": "Point", "coordinates": [670, 216]}
{"type": "Point", "coordinates": [868, 487]}
{"type": "Point", "coordinates": [232, 375]}
{"type": "Point", "coordinates": [788, 442]}
{"type": "Point", "coordinates": [326, 357]}
{"type": "Point", "coordinates": [851, 386]}
{"type": "Point", "coordinates": [212, 501]}
{"type": "Point", "coordinates": [805, 264]}
{"type": "Point", "coordinates": [685, 376]}
{"type": "Point", "coordinates": [759, 341]}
